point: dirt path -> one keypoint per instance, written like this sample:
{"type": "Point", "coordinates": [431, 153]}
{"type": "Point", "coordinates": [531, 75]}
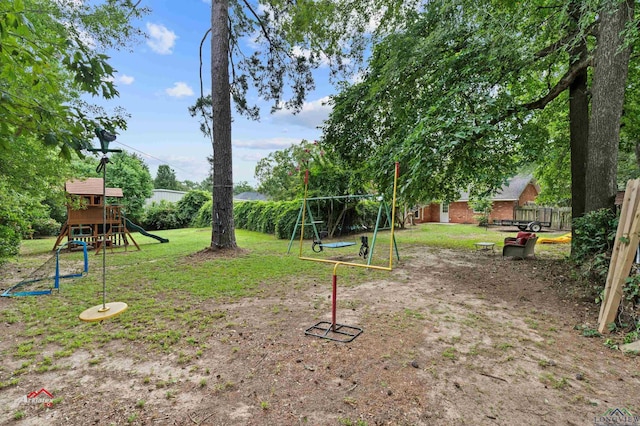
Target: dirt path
{"type": "Point", "coordinates": [449, 338]}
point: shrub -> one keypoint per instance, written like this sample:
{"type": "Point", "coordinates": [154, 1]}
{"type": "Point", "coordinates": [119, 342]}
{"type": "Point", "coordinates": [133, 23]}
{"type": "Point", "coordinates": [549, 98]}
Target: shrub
{"type": "Point", "coordinates": [44, 227]}
{"type": "Point", "coordinates": [594, 233]}
{"type": "Point", "coordinates": [161, 215]}
{"type": "Point", "coordinates": [9, 242]}
{"type": "Point", "coordinates": [286, 220]}
{"type": "Point", "coordinates": [482, 206]}
{"type": "Point", "coordinates": [203, 218]}
{"type": "Point", "coordinates": [594, 238]}
{"type": "Point", "coordinates": [268, 219]}
{"type": "Point", "coordinates": [188, 207]}
{"type": "Point", "coordinates": [255, 215]}
{"type": "Point", "coordinates": [241, 214]}
{"type": "Point", "coordinates": [12, 223]}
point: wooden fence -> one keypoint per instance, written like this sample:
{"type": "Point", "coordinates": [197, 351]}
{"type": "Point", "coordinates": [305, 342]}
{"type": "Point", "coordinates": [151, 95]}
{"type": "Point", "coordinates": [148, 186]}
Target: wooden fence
{"type": "Point", "coordinates": [560, 217]}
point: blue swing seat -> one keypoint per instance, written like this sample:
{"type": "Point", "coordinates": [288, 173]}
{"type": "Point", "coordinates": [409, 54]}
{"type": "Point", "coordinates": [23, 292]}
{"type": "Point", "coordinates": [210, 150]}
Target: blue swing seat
{"type": "Point", "coordinates": [337, 245]}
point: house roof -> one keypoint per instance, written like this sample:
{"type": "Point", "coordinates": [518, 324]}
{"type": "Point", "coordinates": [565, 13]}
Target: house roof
{"type": "Point", "coordinates": [511, 191]}
{"type": "Point", "coordinates": [250, 196]}
{"type": "Point", "coordinates": [90, 186]}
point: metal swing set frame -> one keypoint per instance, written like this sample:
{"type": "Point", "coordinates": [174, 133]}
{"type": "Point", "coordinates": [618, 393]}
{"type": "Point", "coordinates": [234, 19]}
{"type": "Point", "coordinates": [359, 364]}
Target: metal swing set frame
{"type": "Point", "coordinates": [332, 330]}
{"type": "Point", "coordinates": [366, 248]}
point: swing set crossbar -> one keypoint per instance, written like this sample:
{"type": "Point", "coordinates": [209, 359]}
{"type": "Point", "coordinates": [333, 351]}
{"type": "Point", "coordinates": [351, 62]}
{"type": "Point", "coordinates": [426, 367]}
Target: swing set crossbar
{"type": "Point", "coordinates": [343, 197]}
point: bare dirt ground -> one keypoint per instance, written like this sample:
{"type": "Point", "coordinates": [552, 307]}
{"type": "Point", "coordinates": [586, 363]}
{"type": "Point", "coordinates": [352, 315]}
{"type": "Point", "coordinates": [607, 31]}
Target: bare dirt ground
{"type": "Point", "coordinates": [450, 338]}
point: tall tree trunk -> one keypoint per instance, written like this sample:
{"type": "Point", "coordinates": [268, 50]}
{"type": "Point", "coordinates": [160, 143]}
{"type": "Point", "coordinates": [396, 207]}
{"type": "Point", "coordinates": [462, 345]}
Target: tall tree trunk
{"type": "Point", "coordinates": [223, 229]}
{"type": "Point", "coordinates": [578, 121]}
{"type": "Point", "coordinates": [609, 83]}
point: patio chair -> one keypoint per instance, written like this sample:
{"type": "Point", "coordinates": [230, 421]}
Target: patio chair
{"type": "Point", "coordinates": [521, 247]}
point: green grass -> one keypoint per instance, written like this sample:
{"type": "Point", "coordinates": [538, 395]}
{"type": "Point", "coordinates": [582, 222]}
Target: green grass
{"type": "Point", "coordinates": [460, 236]}
{"type": "Point", "coordinates": [170, 290]}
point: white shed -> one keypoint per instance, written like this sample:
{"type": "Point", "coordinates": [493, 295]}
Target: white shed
{"type": "Point", "coordinates": [164, 194]}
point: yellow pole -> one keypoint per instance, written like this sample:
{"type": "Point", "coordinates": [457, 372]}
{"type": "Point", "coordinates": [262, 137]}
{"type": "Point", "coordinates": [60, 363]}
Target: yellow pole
{"type": "Point", "coordinates": [393, 213]}
{"type": "Point", "coordinates": [339, 262]}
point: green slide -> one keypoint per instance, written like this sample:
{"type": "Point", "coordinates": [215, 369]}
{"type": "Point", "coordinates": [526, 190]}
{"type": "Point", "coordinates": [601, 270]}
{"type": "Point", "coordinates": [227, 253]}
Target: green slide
{"type": "Point", "coordinates": [133, 227]}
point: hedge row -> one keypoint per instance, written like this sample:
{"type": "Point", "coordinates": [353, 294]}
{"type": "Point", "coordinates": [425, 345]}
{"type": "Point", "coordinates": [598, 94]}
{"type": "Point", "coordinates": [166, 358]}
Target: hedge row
{"type": "Point", "coordinates": [168, 215]}
{"type": "Point", "coordinates": [279, 217]}
{"type": "Point", "coordinates": [269, 217]}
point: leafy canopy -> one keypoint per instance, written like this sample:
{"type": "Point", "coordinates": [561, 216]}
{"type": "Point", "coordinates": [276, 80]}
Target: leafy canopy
{"type": "Point", "coordinates": [281, 174]}
{"type": "Point", "coordinates": [52, 55]}
{"type": "Point", "coordinates": [456, 95]}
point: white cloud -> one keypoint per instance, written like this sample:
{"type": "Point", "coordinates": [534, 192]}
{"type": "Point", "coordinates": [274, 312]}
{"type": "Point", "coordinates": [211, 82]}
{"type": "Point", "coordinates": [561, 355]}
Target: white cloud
{"type": "Point", "coordinates": [252, 157]}
{"type": "Point", "coordinates": [266, 144]}
{"type": "Point", "coordinates": [312, 115]}
{"type": "Point", "coordinates": [125, 79]}
{"type": "Point", "coordinates": [161, 40]}
{"type": "Point", "coordinates": [179, 90]}
{"type": "Point", "coordinates": [122, 79]}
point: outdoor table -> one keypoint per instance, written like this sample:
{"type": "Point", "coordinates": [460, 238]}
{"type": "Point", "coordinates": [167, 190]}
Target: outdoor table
{"type": "Point", "coordinates": [484, 246]}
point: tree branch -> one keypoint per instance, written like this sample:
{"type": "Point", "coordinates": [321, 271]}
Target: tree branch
{"type": "Point", "coordinates": [265, 32]}
{"type": "Point", "coordinates": [590, 30]}
{"type": "Point", "coordinates": [560, 86]}
{"type": "Point", "coordinates": [204, 37]}
{"type": "Point", "coordinates": [204, 116]}
{"type": "Point", "coordinates": [133, 9]}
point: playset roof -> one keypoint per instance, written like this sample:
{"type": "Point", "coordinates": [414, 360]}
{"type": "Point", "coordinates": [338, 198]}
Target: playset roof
{"type": "Point", "coordinates": [90, 186]}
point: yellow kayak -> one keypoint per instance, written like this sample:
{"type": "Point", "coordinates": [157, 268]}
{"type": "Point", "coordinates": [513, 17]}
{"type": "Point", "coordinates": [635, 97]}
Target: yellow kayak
{"type": "Point", "coordinates": [566, 238]}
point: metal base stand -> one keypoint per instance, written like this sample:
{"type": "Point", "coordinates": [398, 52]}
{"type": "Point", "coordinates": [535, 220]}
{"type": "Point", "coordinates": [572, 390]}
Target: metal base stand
{"type": "Point", "coordinates": [332, 330]}
{"type": "Point", "coordinates": [336, 332]}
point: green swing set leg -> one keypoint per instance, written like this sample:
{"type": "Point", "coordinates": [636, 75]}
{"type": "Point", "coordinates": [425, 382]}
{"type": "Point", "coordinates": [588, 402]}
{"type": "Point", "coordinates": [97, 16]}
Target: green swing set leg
{"type": "Point", "coordinates": [375, 232]}
{"type": "Point", "coordinates": [312, 222]}
{"type": "Point", "coordinates": [295, 229]}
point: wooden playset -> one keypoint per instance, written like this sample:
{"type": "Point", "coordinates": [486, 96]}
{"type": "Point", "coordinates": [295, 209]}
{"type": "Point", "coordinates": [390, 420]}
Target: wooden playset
{"type": "Point", "coordinates": [85, 216]}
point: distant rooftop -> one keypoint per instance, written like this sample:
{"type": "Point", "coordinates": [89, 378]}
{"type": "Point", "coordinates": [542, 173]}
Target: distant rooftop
{"type": "Point", "coordinates": [511, 191]}
{"type": "Point", "coordinates": [250, 196]}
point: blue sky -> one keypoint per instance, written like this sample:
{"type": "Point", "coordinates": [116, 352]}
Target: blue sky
{"type": "Point", "coordinates": [159, 79]}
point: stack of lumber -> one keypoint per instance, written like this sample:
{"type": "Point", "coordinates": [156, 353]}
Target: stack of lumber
{"type": "Point", "coordinates": [624, 251]}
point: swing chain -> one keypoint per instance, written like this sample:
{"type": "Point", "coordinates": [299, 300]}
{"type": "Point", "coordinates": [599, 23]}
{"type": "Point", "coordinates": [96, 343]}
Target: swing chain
{"type": "Point", "coordinates": [364, 247]}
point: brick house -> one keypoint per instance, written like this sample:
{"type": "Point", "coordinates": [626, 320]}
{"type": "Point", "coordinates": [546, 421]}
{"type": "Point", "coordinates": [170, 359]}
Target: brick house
{"type": "Point", "coordinates": [518, 191]}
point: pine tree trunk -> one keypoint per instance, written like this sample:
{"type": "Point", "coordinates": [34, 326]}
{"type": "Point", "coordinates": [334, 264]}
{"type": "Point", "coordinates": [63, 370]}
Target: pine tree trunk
{"type": "Point", "coordinates": [223, 229]}
{"type": "Point", "coordinates": [609, 83]}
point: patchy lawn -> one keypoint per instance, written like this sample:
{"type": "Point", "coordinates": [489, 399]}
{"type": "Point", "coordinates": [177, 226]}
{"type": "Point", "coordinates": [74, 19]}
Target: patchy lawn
{"type": "Point", "coordinates": [451, 336]}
